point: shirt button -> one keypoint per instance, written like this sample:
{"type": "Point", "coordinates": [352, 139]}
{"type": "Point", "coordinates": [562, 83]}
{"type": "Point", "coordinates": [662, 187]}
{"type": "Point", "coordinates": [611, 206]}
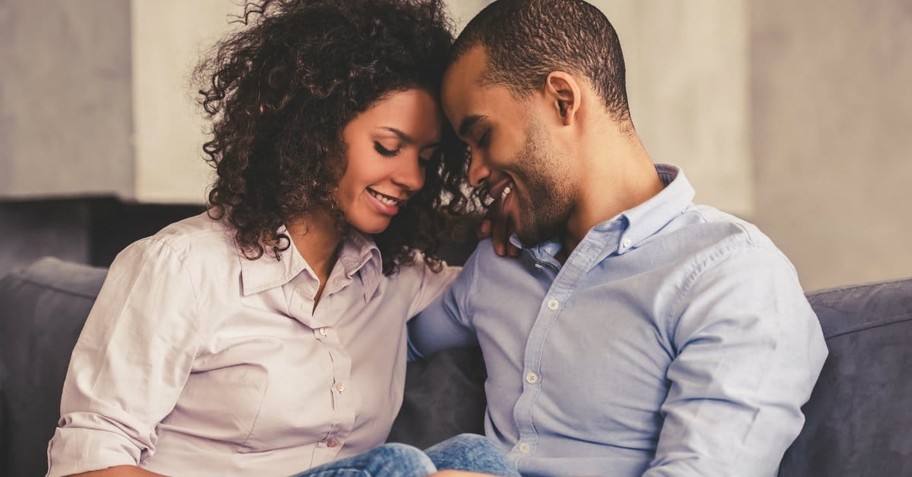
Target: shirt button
{"type": "Point", "coordinates": [339, 387]}
{"type": "Point", "coordinates": [323, 331]}
{"type": "Point", "coordinates": [531, 377]}
{"type": "Point", "coordinates": [553, 304]}
{"type": "Point", "coordinates": [331, 442]}
{"type": "Point", "coordinates": [524, 447]}
{"type": "Point", "coordinates": [626, 243]}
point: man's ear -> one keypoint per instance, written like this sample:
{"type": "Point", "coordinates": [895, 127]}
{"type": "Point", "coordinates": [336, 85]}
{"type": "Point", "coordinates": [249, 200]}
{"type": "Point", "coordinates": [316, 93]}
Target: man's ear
{"type": "Point", "coordinates": [563, 91]}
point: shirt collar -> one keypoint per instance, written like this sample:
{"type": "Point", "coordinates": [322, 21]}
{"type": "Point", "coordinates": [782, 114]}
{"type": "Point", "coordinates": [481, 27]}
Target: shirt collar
{"type": "Point", "coordinates": [638, 223]}
{"type": "Point", "coordinates": [644, 220]}
{"type": "Point", "coordinates": [359, 256]}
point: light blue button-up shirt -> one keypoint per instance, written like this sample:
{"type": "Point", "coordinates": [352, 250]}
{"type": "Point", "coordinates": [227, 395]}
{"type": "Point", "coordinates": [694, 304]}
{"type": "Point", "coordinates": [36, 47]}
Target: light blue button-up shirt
{"type": "Point", "coordinates": [675, 340]}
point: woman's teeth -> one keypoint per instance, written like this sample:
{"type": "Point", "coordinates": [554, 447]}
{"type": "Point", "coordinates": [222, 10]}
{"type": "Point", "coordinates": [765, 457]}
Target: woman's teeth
{"type": "Point", "coordinates": [384, 198]}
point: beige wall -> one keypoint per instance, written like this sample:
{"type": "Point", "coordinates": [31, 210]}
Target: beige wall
{"type": "Point", "coordinates": [796, 115]}
{"type": "Point", "coordinates": [831, 141]}
{"type": "Point", "coordinates": [64, 98]}
{"type": "Point", "coordinates": [688, 79]}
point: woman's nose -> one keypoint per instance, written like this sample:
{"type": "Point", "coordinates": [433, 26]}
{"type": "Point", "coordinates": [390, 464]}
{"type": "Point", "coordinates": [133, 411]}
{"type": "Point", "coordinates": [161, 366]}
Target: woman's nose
{"type": "Point", "coordinates": [410, 174]}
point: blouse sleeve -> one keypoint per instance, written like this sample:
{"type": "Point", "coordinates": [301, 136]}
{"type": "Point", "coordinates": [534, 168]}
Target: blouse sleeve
{"type": "Point", "coordinates": [130, 363]}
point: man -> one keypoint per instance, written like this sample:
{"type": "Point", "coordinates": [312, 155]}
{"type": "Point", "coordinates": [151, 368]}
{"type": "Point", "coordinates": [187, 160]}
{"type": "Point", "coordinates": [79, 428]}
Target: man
{"type": "Point", "coordinates": [637, 333]}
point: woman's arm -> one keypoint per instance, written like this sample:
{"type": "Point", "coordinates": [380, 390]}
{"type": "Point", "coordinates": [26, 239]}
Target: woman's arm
{"type": "Point", "coordinates": [131, 362]}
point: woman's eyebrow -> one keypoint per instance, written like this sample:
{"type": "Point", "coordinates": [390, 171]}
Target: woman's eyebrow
{"type": "Point", "coordinates": [405, 137]}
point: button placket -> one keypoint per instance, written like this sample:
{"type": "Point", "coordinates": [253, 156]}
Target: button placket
{"type": "Point", "coordinates": [524, 448]}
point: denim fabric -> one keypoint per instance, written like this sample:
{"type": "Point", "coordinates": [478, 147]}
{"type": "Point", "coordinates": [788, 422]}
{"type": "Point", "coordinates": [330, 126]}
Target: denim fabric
{"type": "Point", "coordinates": [388, 460]}
{"type": "Point", "coordinates": [473, 453]}
{"type": "Point", "coordinates": [468, 452]}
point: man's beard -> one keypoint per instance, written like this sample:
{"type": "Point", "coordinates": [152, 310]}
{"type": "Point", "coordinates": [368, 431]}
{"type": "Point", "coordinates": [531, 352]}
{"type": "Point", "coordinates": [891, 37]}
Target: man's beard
{"type": "Point", "coordinates": [543, 214]}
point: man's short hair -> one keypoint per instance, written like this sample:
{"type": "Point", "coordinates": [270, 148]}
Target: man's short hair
{"type": "Point", "coordinates": [525, 40]}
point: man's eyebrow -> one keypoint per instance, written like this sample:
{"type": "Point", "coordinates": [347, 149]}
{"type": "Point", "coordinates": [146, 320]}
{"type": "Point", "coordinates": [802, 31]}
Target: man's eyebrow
{"type": "Point", "coordinates": [467, 124]}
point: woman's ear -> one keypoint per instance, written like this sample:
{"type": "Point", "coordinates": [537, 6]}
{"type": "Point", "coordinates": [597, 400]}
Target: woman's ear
{"type": "Point", "coordinates": [563, 91]}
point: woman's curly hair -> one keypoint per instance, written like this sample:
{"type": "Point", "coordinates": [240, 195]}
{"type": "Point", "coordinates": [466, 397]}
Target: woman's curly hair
{"type": "Point", "coordinates": [280, 91]}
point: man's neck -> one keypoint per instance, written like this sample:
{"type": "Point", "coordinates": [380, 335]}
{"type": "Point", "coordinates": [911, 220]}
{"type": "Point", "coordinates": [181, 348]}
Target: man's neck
{"type": "Point", "coordinates": [617, 175]}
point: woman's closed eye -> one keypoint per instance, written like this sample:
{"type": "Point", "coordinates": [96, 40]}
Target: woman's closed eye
{"type": "Point", "coordinates": [386, 152]}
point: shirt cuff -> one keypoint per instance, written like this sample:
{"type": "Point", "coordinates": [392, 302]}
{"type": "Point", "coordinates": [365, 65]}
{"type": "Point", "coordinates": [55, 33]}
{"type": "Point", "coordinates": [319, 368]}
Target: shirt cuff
{"type": "Point", "coordinates": [73, 450]}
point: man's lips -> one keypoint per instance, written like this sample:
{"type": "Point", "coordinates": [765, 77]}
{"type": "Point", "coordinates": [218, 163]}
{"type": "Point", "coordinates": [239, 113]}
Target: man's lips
{"type": "Point", "coordinates": [501, 190]}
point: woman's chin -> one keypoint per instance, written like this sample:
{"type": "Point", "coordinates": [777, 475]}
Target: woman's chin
{"type": "Point", "coordinates": [371, 227]}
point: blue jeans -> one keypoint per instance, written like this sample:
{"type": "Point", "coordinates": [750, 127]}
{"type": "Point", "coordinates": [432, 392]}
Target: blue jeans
{"type": "Point", "coordinates": [467, 452]}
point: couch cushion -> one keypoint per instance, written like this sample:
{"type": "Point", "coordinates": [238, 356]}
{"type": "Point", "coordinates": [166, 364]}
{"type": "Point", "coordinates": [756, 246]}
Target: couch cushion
{"type": "Point", "coordinates": [859, 417]}
{"type": "Point", "coordinates": [42, 310]}
{"type": "Point", "coordinates": [444, 396]}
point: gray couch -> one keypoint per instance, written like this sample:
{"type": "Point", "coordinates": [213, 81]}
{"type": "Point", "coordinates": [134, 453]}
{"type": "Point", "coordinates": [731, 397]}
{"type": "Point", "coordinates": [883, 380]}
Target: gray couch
{"type": "Point", "coordinates": [859, 418]}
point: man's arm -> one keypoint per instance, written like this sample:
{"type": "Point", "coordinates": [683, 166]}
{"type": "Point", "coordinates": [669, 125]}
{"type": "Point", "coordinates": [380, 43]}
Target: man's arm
{"type": "Point", "coordinates": [748, 351]}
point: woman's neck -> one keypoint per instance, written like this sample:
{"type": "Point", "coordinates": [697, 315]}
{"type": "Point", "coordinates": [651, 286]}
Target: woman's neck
{"type": "Point", "coordinates": [318, 239]}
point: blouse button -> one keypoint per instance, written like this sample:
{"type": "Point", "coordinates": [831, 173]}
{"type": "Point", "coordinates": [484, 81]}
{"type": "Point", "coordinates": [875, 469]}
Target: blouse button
{"type": "Point", "coordinates": [331, 442]}
{"type": "Point", "coordinates": [531, 377]}
{"type": "Point", "coordinates": [323, 331]}
{"type": "Point", "coordinates": [553, 305]}
{"type": "Point", "coordinates": [524, 447]}
{"type": "Point", "coordinates": [339, 387]}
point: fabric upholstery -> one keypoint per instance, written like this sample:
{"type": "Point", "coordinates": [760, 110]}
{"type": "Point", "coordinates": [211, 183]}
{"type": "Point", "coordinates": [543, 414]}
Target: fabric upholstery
{"type": "Point", "coordinates": [42, 310]}
{"type": "Point", "coordinates": [858, 419]}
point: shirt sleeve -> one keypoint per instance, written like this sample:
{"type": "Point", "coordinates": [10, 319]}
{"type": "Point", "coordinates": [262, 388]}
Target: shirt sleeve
{"type": "Point", "coordinates": [430, 285]}
{"type": "Point", "coordinates": [749, 349]}
{"type": "Point", "coordinates": [446, 321]}
{"type": "Point", "coordinates": [130, 363]}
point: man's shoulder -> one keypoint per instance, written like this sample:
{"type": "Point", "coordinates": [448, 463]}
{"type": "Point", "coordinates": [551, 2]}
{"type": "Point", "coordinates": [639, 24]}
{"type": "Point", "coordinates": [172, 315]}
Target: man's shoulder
{"type": "Point", "coordinates": [707, 226]}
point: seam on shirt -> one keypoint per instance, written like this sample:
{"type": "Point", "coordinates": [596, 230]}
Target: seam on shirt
{"type": "Point", "coordinates": [473, 284]}
{"type": "Point", "coordinates": [736, 245]}
{"type": "Point", "coordinates": [196, 300]}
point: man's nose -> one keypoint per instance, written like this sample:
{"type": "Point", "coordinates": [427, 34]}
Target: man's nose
{"type": "Point", "coordinates": [478, 170]}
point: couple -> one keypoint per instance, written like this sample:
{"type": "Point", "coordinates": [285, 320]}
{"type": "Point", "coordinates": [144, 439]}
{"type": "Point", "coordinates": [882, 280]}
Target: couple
{"type": "Point", "coordinates": [632, 333]}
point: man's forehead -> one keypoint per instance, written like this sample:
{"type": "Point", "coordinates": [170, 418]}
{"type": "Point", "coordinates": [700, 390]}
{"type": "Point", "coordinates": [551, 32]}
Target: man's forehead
{"type": "Point", "coordinates": [463, 77]}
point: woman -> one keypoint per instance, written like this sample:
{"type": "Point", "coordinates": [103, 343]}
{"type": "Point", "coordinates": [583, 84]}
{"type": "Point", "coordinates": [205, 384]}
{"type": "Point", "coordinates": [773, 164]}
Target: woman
{"type": "Point", "coordinates": [267, 336]}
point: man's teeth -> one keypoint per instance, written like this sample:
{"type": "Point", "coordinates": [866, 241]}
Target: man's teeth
{"type": "Point", "coordinates": [505, 193]}
{"type": "Point", "coordinates": [383, 198]}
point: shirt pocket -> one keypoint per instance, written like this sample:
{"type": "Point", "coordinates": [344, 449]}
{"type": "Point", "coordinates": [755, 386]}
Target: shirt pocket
{"type": "Point", "coordinates": [223, 400]}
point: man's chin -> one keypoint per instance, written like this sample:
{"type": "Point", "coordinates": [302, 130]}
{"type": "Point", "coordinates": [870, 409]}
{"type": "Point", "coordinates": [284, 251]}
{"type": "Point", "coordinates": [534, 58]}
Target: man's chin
{"type": "Point", "coordinates": [530, 238]}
